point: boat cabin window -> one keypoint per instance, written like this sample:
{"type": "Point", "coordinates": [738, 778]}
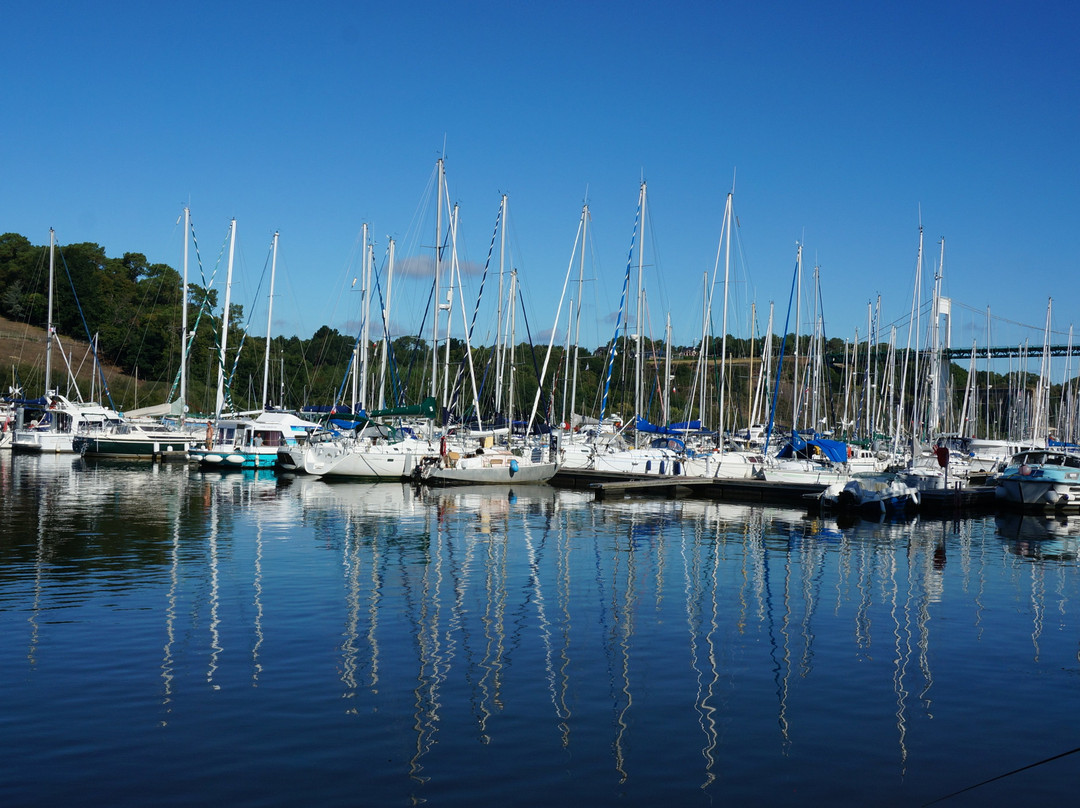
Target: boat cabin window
{"type": "Point", "coordinates": [267, 438]}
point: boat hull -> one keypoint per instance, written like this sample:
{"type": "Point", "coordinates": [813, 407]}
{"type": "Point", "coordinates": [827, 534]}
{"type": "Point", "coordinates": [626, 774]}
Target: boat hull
{"type": "Point", "coordinates": [1037, 493]}
{"type": "Point", "coordinates": [42, 442]}
{"type": "Point", "coordinates": [503, 474]}
{"type": "Point", "coordinates": [392, 461]}
{"type": "Point", "coordinates": [140, 448]}
{"type": "Point", "coordinates": [221, 458]}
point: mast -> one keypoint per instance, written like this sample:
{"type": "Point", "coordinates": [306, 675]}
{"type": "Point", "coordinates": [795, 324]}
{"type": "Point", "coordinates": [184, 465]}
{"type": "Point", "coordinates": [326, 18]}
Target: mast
{"type": "Point", "coordinates": [667, 370]}
{"type": "Point", "coordinates": [639, 351]}
{"type": "Point", "coordinates": [499, 345]}
{"type": "Point", "coordinates": [386, 326]}
{"type": "Point", "coordinates": [577, 324]}
{"type": "Point", "coordinates": [765, 373]}
{"type": "Point", "coordinates": [987, 433]}
{"type": "Point", "coordinates": [435, 294]}
{"type": "Point", "coordinates": [184, 321]}
{"type": "Point", "coordinates": [513, 339]}
{"type": "Point", "coordinates": [724, 328]}
{"type": "Point", "coordinates": [49, 325]}
{"type": "Point", "coordinates": [566, 367]}
{"type": "Point", "coordinates": [1065, 429]}
{"type": "Point", "coordinates": [1041, 404]}
{"type": "Point", "coordinates": [269, 320]}
{"type": "Point", "coordinates": [703, 354]}
{"type": "Point", "coordinates": [813, 359]}
{"type": "Point", "coordinates": [365, 346]}
{"type": "Point", "coordinates": [219, 404]}
{"type": "Point", "coordinates": [938, 307]}
{"type": "Point", "coordinates": [795, 385]}
{"type": "Point", "coordinates": [450, 301]}
{"type": "Point", "coordinates": [868, 384]}
{"type": "Point", "coordinates": [750, 368]}
{"type": "Point", "coordinates": [913, 329]}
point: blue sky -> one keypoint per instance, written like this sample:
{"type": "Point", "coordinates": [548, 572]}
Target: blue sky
{"type": "Point", "coordinates": [841, 124]}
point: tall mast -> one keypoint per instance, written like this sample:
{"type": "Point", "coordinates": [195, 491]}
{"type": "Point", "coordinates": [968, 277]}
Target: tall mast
{"type": "Point", "coordinates": [449, 305]}
{"type": "Point", "coordinates": [917, 305]}
{"type": "Point", "coordinates": [48, 324]}
{"type": "Point", "coordinates": [513, 339]}
{"type": "Point", "coordinates": [219, 404]}
{"type": "Point", "coordinates": [703, 361]}
{"type": "Point", "coordinates": [365, 302]}
{"type": "Point", "coordinates": [724, 327]}
{"type": "Point", "coordinates": [987, 434]}
{"type": "Point", "coordinates": [750, 368]}
{"type": "Point", "coordinates": [386, 324]}
{"type": "Point", "coordinates": [184, 320]}
{"type": "Point", "coordinates": [498, 307]}
{"type": "Point", "coordinates": [435, 294]}
{"type": "Point", "coordinates": [796, 388]}
{"type": "Point", "coordinates": [269, 320]}
{"type": "Point", "coordinates": [639, 354]}
{"type": "Point", "coordinates": [577, 324]}
{"type": "Point", "coordinates": [667, 370]}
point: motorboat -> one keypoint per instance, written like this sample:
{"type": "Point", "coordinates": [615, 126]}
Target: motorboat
{"type": "Point", "coordinates": [1040, 478]}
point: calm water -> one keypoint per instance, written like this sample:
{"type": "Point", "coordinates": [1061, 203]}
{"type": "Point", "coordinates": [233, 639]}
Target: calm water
{"type": "Point", "coordinates": [170, 637]}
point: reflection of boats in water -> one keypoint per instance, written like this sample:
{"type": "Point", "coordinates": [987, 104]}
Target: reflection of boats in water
{"type": "Point", "coordinates": [1041, 537]}
{"type": "Point", "coordinates": [665, 643]}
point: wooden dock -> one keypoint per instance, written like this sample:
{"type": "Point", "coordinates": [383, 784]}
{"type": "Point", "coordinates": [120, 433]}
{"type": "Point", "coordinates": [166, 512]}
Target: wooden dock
{"type": "Point", "coordinates": [608, 485]}
{"type": "Point", "coordinates": [949, 501]}
{"type": "Point", "coordinates": [612, 484]}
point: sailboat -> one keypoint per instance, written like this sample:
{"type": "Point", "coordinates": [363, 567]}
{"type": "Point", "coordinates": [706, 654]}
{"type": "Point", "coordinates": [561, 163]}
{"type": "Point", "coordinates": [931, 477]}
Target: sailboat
{"type": "Point", "coordinates": [49, 424]}
{"type": "Point", "coordinates": [241, 442]}
{"type": "Point", "coordinates": [370, 450]}
{"type": "Point", "coordinates": [473, 458]}
{"type": "Point", "coordinates": [363, 446]}
{"type": "Point", "coordinates": [805, 457]}
{"type": "Point", "coordinates": [141, 434]}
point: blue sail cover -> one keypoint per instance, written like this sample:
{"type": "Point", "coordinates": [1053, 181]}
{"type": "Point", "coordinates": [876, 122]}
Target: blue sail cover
{"type": "Point", "coordinates": [641, 425]}
{"type": "Point", "coordinates": [834, 450]}
{"type": "Point", "coordinates": [686, 426]}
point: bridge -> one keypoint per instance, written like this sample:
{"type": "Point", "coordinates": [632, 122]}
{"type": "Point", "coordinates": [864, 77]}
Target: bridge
{"type": "Point", "coordinates": [1029, 351]}
{"type": "Point", "coordinates": [1011, 352]}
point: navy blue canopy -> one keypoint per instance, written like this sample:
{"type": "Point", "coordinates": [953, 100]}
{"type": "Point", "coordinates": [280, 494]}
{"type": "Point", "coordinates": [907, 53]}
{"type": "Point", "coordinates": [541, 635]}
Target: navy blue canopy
{"type": "Point", "coordinates": [834, 450]}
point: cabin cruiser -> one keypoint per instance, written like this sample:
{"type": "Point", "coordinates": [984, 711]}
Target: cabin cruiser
{"type": "Point", "coordinates": [1040, 479]}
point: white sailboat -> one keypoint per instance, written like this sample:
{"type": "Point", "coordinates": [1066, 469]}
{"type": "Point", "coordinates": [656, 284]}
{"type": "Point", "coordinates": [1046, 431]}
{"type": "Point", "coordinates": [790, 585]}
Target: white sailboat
{"type": "Point", "coordinates": [49, 424]}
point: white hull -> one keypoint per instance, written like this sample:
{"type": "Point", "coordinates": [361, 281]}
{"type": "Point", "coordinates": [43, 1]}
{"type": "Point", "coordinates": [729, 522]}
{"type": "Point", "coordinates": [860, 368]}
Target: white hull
{"type": "Point", "coordinates": [641, 461]}
{"type": "Point", "coordinates": [490, 475]}
{"type": "Point", "coordinates": [392, 461]}
{"type": "Point", "coordinates": [798, 471]}
{"type": "Point", "coordinates": [1038, 493]}
{"type": "Point", "coordinates": [43, 442]}
{"type": "Point", "coordinates": [725, 465]}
